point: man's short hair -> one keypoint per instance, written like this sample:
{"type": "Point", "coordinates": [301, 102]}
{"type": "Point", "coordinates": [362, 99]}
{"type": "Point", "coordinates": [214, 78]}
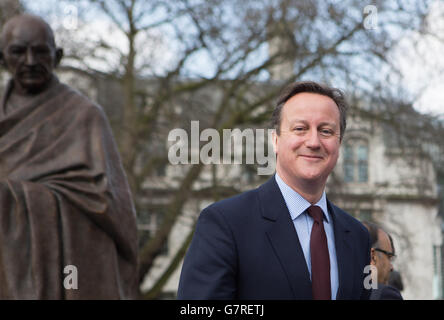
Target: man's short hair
{"type": "Point", "coordinates": [373, 232]}
{"type": "Point", "coordinates": [373, 229]}
{"type": "Point", "coordinates": [311, 87]}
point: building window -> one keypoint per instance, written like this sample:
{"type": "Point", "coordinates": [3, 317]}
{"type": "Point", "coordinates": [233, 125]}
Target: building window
{"type": "Point", "coordinates": [348, 163]}
{"type": "Point", "coordinates": [355, 161]}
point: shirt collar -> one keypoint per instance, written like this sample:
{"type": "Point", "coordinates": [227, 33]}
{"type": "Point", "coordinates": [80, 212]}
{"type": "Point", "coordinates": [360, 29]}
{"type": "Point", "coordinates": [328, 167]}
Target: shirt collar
{"type": "Point", "coordinates": [296, 204]}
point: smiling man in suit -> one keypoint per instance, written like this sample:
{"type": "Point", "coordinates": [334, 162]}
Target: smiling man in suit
{"type": "Point", "coordinates": [284, 240]}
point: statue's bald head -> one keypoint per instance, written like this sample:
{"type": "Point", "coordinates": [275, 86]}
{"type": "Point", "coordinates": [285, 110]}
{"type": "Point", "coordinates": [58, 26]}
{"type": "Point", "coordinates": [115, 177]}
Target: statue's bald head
{"type": "Point", "coordinates": [29, 53]}
{"type": "Point", "coordinates": [29, 22]}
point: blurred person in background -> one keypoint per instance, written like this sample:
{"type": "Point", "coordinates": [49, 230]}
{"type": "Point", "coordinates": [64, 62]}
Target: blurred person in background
{"type": "Point", "coordinates": [382, 256]}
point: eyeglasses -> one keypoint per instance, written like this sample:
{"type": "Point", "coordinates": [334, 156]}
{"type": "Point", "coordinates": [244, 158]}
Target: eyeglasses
{"type": "Point", "coordinates": [389, 255]}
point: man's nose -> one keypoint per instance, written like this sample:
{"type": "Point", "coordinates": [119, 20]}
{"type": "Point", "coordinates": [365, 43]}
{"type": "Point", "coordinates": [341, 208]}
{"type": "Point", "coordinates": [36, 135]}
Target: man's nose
{"type": "Point", "coordinates": [312, 139]}
{"type": "Point", "coordinates": [30, 57]}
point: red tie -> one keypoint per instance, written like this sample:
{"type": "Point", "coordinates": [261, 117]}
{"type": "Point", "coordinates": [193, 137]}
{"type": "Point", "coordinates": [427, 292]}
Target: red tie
{"type": "Point", "coordinates": [320, 260]}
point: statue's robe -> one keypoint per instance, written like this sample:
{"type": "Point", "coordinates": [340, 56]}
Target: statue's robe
{"type": "Point", "coordinates": [67, 220]}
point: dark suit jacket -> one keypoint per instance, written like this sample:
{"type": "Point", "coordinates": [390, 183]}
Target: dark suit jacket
{"type": "Point", "coordinates": [246, 247]}
{"type": "Point", "coordinates": [385, 292]}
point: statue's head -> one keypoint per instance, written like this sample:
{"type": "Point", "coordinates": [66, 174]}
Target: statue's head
{"type": "Point", "coordinates": [29, 53]}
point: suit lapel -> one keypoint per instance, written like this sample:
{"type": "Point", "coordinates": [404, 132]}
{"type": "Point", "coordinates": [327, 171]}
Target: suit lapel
{"type": "Point", "coordinates": [344, 254]}
{"type": "Point", "coordinates": [284, 239]}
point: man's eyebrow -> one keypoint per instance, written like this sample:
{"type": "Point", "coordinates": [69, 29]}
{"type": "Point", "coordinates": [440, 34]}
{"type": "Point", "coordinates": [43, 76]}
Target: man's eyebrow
{"type": "Point", "coordinates": [325, 123]}
{"type": "Point", "coordinates": [333, 124]}
{"type": "Point", "coordinates": [298, 120]}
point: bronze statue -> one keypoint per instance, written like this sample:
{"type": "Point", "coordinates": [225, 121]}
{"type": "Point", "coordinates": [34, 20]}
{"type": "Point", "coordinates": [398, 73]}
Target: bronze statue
{"type": "Point", "coordinates": [65, 203]}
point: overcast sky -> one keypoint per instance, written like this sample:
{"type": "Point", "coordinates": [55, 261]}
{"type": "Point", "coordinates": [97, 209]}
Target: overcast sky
{"type": "Point", "coordinates": [421, 61]}
{"type": "Point", "coordinates": [420, 58]}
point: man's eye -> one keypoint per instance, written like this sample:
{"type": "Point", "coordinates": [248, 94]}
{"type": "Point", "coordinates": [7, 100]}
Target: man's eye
{"type": "Point", "coordinates": [327, 132]}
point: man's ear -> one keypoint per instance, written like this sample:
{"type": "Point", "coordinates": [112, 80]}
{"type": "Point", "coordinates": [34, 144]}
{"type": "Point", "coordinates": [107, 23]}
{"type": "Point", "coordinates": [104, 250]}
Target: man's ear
{"type": "Point", "coordinates": [58, 56]}
{"type": "Point", "coordinates": [274, 138]}
{"type": "Point", "coordinates": [373, 256]}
